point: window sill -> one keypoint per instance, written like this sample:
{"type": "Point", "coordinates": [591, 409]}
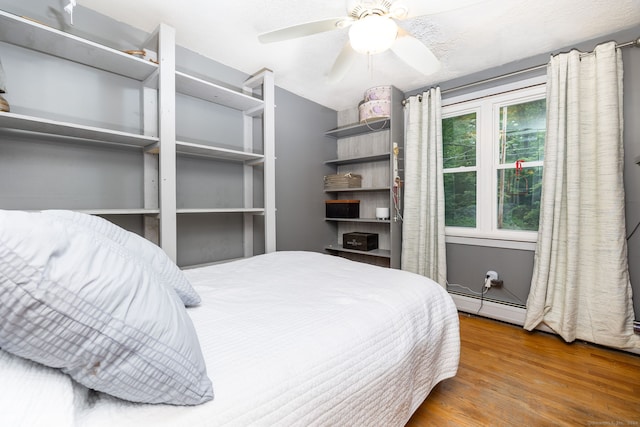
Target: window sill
{"type": "Point", "coordinates": [493, 242]}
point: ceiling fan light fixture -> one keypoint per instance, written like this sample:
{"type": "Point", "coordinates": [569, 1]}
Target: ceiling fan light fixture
{"type": "Point", "coordinates": [399, 10]}
{"type": "Point", "coordinates": [373, 34]}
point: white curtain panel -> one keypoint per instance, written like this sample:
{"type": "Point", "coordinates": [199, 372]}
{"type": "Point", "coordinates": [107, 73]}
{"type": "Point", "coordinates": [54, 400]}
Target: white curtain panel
{"type": "Point", "coordinates": [580, 286]}
{"type": "Point", "coordinates": [423, 245]}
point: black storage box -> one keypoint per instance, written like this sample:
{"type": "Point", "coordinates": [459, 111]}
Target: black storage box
{"type": "Point", "coordinates": [360, 241]}
{"type": "Point", "coordinates": [342, 208]}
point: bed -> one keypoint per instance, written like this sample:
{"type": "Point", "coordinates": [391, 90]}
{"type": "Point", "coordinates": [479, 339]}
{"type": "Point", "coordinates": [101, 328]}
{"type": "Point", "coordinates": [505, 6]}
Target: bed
{"type": "Point", "coordinates": [287, 338]}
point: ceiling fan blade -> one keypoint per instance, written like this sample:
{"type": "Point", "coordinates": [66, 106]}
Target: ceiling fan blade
{"type": "Point", "coordinates": [413, 52]}
{"type": "Point", "coordinates": [421, 8]}
{"type": "Point", "coordinates": [305, 29]}
{"type": "Point", "coordinates": [343, 64]}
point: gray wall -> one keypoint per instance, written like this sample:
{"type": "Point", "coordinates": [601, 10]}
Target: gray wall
{"type": "Point", "coordinates": [631, 59]}
{"type": "Point", "coordinates": [301, 149]}
{"type": "Point", "coordinates": [468, 264]}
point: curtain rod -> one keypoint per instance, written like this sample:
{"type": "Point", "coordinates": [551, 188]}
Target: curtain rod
{"type": "Point", "coordinates": [635, 43]}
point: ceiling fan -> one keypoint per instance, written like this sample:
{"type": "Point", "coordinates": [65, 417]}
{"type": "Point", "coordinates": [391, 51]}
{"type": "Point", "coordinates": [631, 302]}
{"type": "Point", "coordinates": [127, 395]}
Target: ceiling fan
{"type": "Point", "coordinates": [372, 29]}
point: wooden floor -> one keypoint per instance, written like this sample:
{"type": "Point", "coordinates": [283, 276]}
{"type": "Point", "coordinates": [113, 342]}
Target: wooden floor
{"type": "Point", "coordinates": [510, 377]}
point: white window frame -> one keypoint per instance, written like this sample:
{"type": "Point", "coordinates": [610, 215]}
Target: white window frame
{"type": "Point", "coordinates": [487, 109]}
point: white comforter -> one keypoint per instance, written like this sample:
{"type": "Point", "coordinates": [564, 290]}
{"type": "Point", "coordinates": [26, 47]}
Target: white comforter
{"type": "Point", "coordinates": [290, 338]}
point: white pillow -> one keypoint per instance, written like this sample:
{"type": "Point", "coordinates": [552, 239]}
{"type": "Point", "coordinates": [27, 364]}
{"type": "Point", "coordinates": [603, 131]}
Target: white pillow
{"type": "Point", "coordinates": [74, 300]}
{"type": "Point", "coordinates": [145, 251]}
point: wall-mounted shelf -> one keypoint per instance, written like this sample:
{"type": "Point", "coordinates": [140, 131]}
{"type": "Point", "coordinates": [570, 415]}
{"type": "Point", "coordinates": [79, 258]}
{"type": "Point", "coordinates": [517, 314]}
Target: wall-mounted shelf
{"type": "Point", "coordinates": [257, 211]}
{"type": "Point", "coordinates": [356, 160]}
{"type": "Point", "coordinates": [119, 211]}
{"type": "Point", "coordinates": [201, 150]}
{"type": "Point", "coordinates": [33, 35]}
{"type": "Point", "coordinates": [363, 220]}
{"type": "Point", "coordinates": [212, 92]}
{"type": "Point", "coordinates": [359, 189]}
{"type": "Point", "coordinates": [133, 211]}
{"type": "Point", "coordinates": [71, 130]}
{"type": "Point", "coordinates": [359, 128]}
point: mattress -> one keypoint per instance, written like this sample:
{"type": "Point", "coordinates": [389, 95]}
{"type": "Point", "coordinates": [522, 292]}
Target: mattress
{"type": "Point", "coordinates": [289, 338]}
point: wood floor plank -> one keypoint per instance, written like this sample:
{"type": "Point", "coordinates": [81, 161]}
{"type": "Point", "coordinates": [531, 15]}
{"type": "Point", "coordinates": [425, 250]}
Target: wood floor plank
{"type": "Point", "coordinates": [510, 377]}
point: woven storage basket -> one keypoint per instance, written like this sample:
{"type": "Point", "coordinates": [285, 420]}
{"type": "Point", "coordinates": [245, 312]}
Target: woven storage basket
{"type": "Point", "coordinates": [339, 181]}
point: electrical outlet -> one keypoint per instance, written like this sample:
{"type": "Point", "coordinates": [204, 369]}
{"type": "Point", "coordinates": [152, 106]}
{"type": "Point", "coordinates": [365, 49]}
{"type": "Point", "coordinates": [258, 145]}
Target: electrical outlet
{"type": "Point", "coordinates": [496, 283]}
{"type": "Point", "coordinates": [491, 279]}
{"type": "Point", "coordinates": [491, 275]}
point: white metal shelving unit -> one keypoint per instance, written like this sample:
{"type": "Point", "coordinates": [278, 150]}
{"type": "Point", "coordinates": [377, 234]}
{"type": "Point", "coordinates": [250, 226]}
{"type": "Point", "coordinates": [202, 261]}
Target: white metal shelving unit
{"type": "Point", "coordinates": [251, 107]}
{"type": "Point", "coordinates": [159, 83]}
{"type": "Point", "coordinates": [32, 35]}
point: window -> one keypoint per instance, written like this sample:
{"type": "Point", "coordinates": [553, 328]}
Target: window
{"type": "Point", "coordinates": [493, 152]}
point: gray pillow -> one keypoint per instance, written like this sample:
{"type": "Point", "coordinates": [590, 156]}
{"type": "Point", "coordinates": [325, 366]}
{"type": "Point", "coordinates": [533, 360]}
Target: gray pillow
{"type": "Point", "coordinates": [147, 253]}
{"type": "Point", "coordinates": [77, 301]}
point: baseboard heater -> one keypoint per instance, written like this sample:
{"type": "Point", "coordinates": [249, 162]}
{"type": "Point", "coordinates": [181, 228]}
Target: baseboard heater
{"type": "Point", "coordinates": [505, 311]}
{"type": "Point", "coordinates": [493, 309]}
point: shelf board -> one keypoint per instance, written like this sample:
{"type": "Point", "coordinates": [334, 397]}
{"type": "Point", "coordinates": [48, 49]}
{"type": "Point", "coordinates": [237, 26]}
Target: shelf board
{"type": "Point", "coordinates": [363, 159]}
{"type": "Point", "coordinates": [359, 189]}
{"type": "Point", "coordinates": [200, 150]}
{"type": "Point", "coordinates": [72, 130]}
{"type": "Point", "coordinates": [33, 35]}
{"type": "Point", "coordinates": [381, 253]}
{"type": "Point", "coordinates": [359, 129]}
{"type": "Point", "coordinates": [219, 210]}
{"type": "Point", "coordinates": [105, 211]}
{"type": "Point", "coordinates": [119, 211]}
{"type": "Point", "coordinates": [362, 220]}
{"type": "Point", "coordinates": [212, 92]}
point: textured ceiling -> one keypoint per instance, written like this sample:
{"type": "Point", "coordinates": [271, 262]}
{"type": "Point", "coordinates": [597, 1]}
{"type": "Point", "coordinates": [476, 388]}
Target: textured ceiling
{"type": "Point", "coordinates": [473, 35]}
